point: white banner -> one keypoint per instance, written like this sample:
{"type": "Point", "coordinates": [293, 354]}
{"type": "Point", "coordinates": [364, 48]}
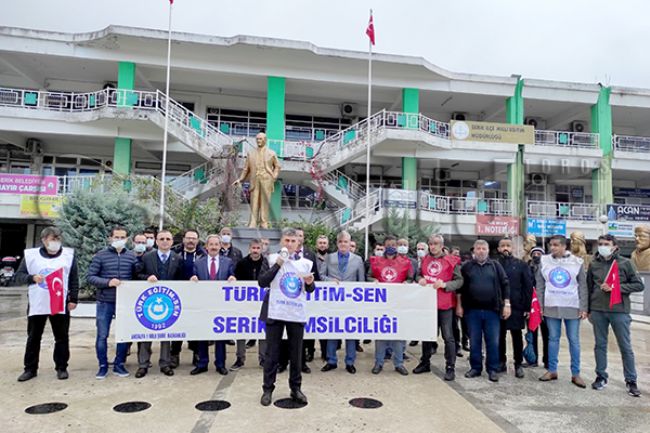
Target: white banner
{"type": "Point", "coordinates": [220, 310]}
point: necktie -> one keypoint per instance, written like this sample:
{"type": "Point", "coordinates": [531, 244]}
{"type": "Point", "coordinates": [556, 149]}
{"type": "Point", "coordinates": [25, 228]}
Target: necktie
{"type": "Point", "coordinates": [163, 258]}
{"type": "Point", "coordinates": [213, 269]}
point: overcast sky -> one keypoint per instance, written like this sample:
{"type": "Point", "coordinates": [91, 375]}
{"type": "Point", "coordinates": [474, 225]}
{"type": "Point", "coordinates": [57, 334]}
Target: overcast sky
{"type": "Point", "coordinates": [566, 40]}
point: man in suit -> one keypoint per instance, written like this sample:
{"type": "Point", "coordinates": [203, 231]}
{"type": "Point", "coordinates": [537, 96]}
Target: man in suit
{"type": "Point", "coordinates": [159, 264]}
{"type": "Point", "coordinates": [261, 169]}
{"type": "Point", "coordinates": [342, 266]}
{"type": "Point", "coordinates": [210, 268]}
{"type": "Point", "coordinates": [287, 280]}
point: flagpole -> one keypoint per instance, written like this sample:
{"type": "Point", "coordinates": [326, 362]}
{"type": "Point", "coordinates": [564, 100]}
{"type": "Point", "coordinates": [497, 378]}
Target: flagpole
{"type": "Point", "coordinates": [166, 128]}
{"type": "Point", "coordinates": [368, 143]}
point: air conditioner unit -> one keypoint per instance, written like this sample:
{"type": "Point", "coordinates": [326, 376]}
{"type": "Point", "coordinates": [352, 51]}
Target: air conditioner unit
{"type": "Point", "coordinates": [459, 116]}
{"type": "Point", "coordinates": [578, 126]}
{"type": "Point", "coordinates": [34, 145]}
{"type": "Point", "coordinates": [535, 122]}
{"type": "Point", "coordinates": [537, 179]}
{"type": "Point", "coordinates": [110, 85]}
{"type": "Point", "coordinates": [441, 174]}
{"type": "Point", "coordinates": [349, 110]}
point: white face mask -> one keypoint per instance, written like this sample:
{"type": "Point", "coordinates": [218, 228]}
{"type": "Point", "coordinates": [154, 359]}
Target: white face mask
{"type": "Point", "coordinates": [118, 244]}
{"type": "Point", "coordinates": [226, 239]}
{"type": "Point", "coordinates": [53, 246]}
{"type": "Point", "coordinates": [140, 248]}
{"type": "Point", "coordinates": [422, 253]}
{"type": "Point", "coordinates": [150, 242]}
{"type": "Point", "coordinates": [379, 253]}
{"type": "Point", "coordinates": [605, 250]}
{"type": "Point", "coordinates": [402, 249]}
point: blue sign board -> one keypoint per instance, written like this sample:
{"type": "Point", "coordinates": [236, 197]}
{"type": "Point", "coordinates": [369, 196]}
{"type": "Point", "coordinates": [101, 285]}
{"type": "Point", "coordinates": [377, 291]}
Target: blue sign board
{"type": "Point", "coordinates": [546, 228]}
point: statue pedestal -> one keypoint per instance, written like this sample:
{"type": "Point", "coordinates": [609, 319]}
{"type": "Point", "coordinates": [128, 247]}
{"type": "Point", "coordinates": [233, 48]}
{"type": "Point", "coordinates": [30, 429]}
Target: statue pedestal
{"type": "Point", "coordinates": [241, 237]}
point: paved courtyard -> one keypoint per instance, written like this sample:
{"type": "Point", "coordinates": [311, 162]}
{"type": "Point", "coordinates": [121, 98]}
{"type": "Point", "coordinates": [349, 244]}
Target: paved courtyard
{"type": "Point", "coordinates": [423, 403]}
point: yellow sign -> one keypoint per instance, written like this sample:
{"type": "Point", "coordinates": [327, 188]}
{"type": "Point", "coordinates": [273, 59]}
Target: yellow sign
{"type": "Point", "coordinates": [40, 206]}
{"type": "Point", "coordinates": [492, 132]}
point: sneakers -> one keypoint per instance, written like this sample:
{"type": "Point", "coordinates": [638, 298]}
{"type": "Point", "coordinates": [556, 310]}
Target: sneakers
{"type": "Point", "coordinates": [422, 368]}
{"type": "Point", "coordinates": [102, 372]}
{"type": "Point", "coordinates": [27, 374]}
{"type": "Point", "coordinates": [237, 365]}
{"type": "Point", "coordinates": [119, 370]}
{"type": "Point", "coordinates": [632, 389]}
{"type": "Point", "coordinates": [450, 374]}
{"type": "Point", "coordinates": [599, 384]}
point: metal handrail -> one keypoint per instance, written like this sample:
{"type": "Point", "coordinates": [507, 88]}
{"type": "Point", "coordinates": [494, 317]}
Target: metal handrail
{"type": "Point", "coordinates": [631, 143]}
{"type": "Point", "coordinates": [561, 210]}
{"type": "Point", "coordinates": [465, 205]}
{"type": "Point", "coordinates": [566, 138]}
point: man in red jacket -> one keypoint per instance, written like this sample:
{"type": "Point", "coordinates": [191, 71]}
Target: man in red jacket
{"type": "Point", "coordinates": [442, 272]}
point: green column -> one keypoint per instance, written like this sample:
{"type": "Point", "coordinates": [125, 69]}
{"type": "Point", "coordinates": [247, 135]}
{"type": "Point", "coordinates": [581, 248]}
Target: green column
{"type": "Point", "coordinates": [516, 170]}
{"type": "Point", "coordinates": [601, 124]}
{"type": "Point", "coordinates": [126, 80]}
{"type": "Point", "coordinates": [275, 96]}
{"type": "Point", "coordinates": [411, 109]}
{"type": "Point", "coordinates": [122, 156]}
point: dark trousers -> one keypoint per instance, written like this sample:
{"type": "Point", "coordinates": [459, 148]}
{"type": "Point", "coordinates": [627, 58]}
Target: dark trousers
{"type": "Point", "coordinates": [544, 329]}
{"type": "Point", "coordinates": [446, 319]}
{"type": "Point", "coordinates": [219, 354]}
{"type": "Point", "coordinates": [517, 345]}
{"type": "Point", "coordinates": [483, 324]}
{"type": "Point", "coordinates": [274, 331]}
{"type": "Point", "coordinates": [60, 324]}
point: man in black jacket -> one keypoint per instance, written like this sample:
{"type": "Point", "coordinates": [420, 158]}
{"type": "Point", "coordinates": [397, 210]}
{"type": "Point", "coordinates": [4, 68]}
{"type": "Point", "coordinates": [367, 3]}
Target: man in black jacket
{"type": "Point", "coordinates": [249, 269]}
{"type": "Point", "coordinates": [484, 296]}
{"type": "Point", "coordinates": [227, 248]}
{"type": "Point", "coordinates": [160, 264]}
{"type": "Point", "coordinates": [189, 251]}
{"type": "Point", "coordinates": [34, 269]}
{"type": "Point", "coordinates": [521, 295]}
{"type": "Point", "coordinates": [288, 280]}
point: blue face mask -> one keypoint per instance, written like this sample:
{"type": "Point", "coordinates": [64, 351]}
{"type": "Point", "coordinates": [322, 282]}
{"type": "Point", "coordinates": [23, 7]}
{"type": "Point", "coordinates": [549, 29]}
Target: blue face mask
{"type": "Point", "coordinates": [390, 251]}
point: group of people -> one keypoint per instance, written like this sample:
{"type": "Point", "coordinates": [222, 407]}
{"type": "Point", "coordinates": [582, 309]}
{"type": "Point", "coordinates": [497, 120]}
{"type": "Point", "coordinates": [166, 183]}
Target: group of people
{"type": "Point", "coordinates": [479, 300]}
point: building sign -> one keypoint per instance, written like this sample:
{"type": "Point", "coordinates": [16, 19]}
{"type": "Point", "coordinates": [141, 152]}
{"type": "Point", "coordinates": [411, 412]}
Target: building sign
{"type": "Point", "coordinates": [399, 198]}
{"type": "Point", "coordinates": [221, 310]}
{"type": "Point", "coordinates": [628, 212]}
{"type": "Point", "coordinates": [492, 132]}
{"type": "Point", "coordinates": [490, 225]}
{"type": "Point", "coordinates": [40, 206]}
{"type": "Point", "coordinates": [546, 228]}
{"type": "Point", "coordinates": [632, 192]}
{"type": "Point", "coordinates": [28, 184]}
{"type": "Point", "coordinates": [621, 229]}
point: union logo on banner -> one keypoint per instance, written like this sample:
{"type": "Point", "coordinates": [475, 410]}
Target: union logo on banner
{"type": "Point", "coordinates": [434, 268]}
{"type": "Point", "coordinates": [388, 274]}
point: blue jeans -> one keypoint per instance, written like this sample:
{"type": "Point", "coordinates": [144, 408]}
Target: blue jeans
{"type": "Point", "coordinates": [621, 326]}
{"type": "Point", "coordinates": [350, 351]}
{"type": "Point", "coordinates": [104, 317]}
{"type": "Point", "coordinates": [572, 327]}
{"type": "Point", "coordinates": [219, 354]}
{"type": "Point", "coordinates": [398, 347]}
{"type": "Point", "coordinates": [483, 324]}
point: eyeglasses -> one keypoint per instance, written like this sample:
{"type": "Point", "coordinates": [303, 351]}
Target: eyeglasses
{"type": "Point", "coordinates": [164, 239]}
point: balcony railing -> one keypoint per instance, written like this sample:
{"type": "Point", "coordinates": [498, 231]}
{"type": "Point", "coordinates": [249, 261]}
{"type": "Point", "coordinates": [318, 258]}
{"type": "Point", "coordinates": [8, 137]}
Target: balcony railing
{"type": "Point", "coordinates": [465, 205]}
{"type": "Point", "coordinates": [560, 210]}
{"type": "Point", "coordinates": [630, 143]}
{"type": "Point", "coordinates": [566, 138]}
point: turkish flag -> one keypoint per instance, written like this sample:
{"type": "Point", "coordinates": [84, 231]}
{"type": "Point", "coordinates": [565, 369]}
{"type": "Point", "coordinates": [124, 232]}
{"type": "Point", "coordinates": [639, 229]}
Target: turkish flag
{"type": "Point", "coordinates": [54, 281]}
{"type": "Point", "coordinates": [613, 280]}
{"type": "Point", "coordinates": [535, 313]}
{"type": "Point", "coordinates": [370, 30]}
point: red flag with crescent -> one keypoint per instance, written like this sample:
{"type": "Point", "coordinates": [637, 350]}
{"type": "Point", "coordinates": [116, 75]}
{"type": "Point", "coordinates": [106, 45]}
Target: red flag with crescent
{"type": "Point", "coordinates": [54, 281]}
